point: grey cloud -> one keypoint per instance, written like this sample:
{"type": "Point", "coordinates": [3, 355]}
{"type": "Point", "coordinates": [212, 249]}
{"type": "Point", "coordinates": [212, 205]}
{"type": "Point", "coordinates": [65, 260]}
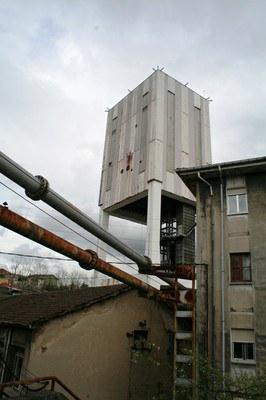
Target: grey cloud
{"type": "Point", "coordinates": [62, 64]}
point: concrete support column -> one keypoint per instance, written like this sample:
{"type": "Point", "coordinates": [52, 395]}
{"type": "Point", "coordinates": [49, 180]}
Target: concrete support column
{"type": "Point", "coordinates": [104, 222]}
{"type": "Point", "coordinates": [152, 249]}
{"type": "Point", "coordinates": [98, 278]}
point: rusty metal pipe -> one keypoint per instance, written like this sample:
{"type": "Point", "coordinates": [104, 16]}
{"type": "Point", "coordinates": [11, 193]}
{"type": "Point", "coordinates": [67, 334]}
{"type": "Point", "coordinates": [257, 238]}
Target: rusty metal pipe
{"type": "Point", "coordinates": [182, 271]}
{"type": "Point", "coordinates": [41, 191]}
{"type": "Point", "coordinates": [28, 229]}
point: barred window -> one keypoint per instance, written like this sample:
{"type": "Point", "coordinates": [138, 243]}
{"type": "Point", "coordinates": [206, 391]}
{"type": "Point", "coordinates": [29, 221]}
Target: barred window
{"type": "Point", "coordinates": [243, 351]}
{"type": "Point", "coordinates": [240, 264]}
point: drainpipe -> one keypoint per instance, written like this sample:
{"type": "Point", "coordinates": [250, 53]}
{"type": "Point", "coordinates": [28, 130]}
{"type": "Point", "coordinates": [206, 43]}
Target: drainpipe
{"type": "Point", "coordinates": [222, 270]}
{"type": "Point", "coordinates": [207, 183]}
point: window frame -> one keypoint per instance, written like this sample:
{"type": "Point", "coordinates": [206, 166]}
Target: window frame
{"type": "Point", "coordinates": [243, 360]}
{"type": "Point", "coordinates": [236, 195]}
{"type": "Point", "coordinates": [238, 281]}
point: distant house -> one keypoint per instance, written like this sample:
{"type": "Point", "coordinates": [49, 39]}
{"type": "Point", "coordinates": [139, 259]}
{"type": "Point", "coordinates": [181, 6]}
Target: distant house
{"type": "Point", "coordinates": [105, 343]}
{"type": "Point", "coordinates": [41, 281]}
{"type": "Point", "coordinates": [5, 277]}
{"type": "Point", "coordinates": [8, 284]}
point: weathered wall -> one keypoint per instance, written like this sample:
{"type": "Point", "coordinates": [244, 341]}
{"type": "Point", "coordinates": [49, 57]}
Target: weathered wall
{"type": "Point", "coordinates": [90, 350]}
{"type": "Point", "coordinates": [244, 302]}
{"type": "Point", "coordinates": [257, 226]}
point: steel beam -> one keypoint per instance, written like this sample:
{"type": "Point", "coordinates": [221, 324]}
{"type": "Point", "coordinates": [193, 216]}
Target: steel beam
{"type": "Point", "coordinates": [34, 188]}
{"type": "Point", "coordinates": [87, 258]}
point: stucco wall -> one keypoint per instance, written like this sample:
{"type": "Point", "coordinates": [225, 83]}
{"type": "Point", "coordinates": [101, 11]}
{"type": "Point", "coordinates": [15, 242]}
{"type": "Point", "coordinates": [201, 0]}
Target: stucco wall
{"type": "Point", "coordinates": [90, 350]}
{"type": "Point", "coordinates": [257, 226]}
{"type": "Point", "coordinates": [244, 302]}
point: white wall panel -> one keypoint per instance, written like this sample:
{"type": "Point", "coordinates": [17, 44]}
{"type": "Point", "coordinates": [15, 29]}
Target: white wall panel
{"type": "Point", "coordinates": [161, 136]}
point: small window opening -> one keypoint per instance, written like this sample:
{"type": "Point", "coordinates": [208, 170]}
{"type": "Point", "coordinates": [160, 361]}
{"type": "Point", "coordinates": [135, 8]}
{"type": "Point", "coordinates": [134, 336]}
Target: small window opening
{"type": "Point", "coordinates": [240, 265]}
{"type": "Point", "coordinates": [237, 204]}
{"type": "Point", "coordinates": [243, 351]}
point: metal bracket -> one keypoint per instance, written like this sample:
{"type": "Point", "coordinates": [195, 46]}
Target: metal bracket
{"type": "Point", "coordinates": [41, 192]}
{"type": "Point", "coordinates": [91, 265]}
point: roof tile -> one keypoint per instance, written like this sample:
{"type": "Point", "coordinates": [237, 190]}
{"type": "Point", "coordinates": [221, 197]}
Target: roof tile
{"type": "Point", "coordinates": [34, 309]}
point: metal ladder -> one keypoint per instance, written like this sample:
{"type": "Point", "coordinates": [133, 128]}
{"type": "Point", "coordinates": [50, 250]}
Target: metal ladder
{"type": "Point", "coordinates": [184, 343]}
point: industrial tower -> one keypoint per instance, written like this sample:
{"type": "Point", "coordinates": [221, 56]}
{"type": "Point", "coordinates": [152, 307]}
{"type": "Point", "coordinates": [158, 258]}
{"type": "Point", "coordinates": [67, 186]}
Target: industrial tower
{"type": "Point", "coordinates": [159, 126]}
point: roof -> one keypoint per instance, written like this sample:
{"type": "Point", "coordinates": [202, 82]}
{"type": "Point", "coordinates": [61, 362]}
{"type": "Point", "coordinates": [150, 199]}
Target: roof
{"type": "Point", "coordinates": [213, 171]}
{"type": "Point", "coordinates": [32, 310]}
{"type": "Point", "coordinates": [4, 272]}
{"type": "Point", "coordinates": [43, 276]}
{"type": "Point", "coordinates": [158, 71]}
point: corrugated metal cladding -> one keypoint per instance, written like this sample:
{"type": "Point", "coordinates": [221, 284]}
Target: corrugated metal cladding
{"type": "Point", "coordinates": [197, 134]}
{"type": "Point", "coordinates": [159, 126]}
{"type": "Point", "coordinates": [143, 139]}
{"type": "Point", "coordinates": [170, 131]}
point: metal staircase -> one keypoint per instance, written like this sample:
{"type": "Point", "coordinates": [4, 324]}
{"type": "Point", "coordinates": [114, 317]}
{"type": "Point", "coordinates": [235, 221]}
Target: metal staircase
{"type": "Point", "coordinates": [177, 262]}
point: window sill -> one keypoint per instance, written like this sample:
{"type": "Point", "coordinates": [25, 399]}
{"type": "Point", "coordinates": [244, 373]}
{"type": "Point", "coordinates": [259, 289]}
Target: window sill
{"type": "Point", "coordinates": [241, 283]}
{"type": "Point", "coordinates": [236, 214]}
{"type": "Point", "coordinates": [243, 362]}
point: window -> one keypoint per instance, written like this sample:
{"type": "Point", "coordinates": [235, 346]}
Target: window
{"type": "Point", "coordinates": [240, 267]}
{"type": "Point", "coordinates": [243, 351]}
{"type": "Point", "coordinates": [237, 204]}
{"type": "Point", "coordinates": [14, 363]}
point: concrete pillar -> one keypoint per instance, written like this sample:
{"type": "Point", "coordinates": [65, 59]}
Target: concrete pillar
{"type": "Point", "coordinates": [104, 222]}
{"type": "Point", "coordinates": [98, 278]}
{"type": "Point", "coordinates": [152, 249]}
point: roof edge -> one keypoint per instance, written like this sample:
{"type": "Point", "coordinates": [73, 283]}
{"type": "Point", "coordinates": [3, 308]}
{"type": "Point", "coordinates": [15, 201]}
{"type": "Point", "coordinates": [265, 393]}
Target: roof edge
{"type": "Point", "coordinates": [248, 162]}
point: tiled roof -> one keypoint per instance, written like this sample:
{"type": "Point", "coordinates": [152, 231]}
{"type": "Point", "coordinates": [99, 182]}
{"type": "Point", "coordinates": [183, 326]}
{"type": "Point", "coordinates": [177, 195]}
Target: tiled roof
{"type": "Point", "coordinates": [34, 309]}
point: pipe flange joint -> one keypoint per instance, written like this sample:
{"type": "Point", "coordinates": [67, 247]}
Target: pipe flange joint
{"type": "Point", "coordinates": [41, 192]}
{"type": "Point", "coordinates": [91, 265]}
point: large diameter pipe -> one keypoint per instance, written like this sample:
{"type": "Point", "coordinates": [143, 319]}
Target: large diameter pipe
{"type": "Point", "coordinates": [87, 258]}
{"type": "Point", "coordinates": [31, 184]}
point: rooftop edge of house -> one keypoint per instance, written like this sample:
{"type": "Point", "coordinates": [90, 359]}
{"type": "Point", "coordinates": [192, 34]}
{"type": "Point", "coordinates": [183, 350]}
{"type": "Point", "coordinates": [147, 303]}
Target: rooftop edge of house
{"type": "Point", "coordinates": [32, 310]}
{"type": "Point", "coordinates": [230, 168]}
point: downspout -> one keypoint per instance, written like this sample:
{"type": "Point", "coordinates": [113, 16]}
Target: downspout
{"type": "Point", "coordinates": [207, 183]}
{"type": "Point", "coordinates": [222, 271]}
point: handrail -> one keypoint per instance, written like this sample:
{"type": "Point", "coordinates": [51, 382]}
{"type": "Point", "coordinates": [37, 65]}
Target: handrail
{"type": "Point", "coordinates": [53, 379]}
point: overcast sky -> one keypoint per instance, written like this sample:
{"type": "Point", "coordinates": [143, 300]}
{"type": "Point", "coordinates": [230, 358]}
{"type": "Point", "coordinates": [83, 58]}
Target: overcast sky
{"type": "Point", "coordinates": [62, 63]}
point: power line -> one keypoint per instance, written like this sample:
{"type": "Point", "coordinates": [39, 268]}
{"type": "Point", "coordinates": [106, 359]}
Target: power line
{"type": "Point", "coordinates": [73, 230]}
{"type": "Point", "coordinates": [48, 257]}
{"type": "Point", "coordinates": [33, 256]}
{"type": "Point", "coordinates": [57, 220]}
